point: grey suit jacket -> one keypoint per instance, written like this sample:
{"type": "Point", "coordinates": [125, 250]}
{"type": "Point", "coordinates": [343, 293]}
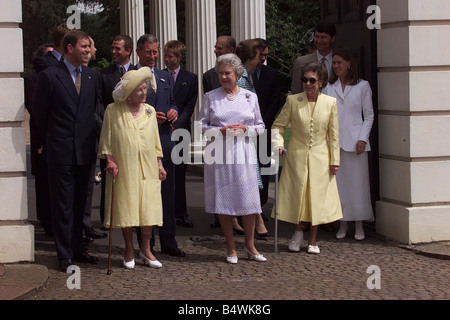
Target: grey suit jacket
{"type": "Point", "coordinates": [297, 85]}
{"type": "Point", "coordinates": [210, 80]}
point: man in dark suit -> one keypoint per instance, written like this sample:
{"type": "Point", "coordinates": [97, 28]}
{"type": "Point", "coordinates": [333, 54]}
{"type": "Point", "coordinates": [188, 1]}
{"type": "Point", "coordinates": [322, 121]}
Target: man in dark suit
{"type": "Point", "coordinates": [65, 103]}
{"type": "Point", "coordinates": [166, 113]}
{"type": "Point", "coordinates": [39, 165]}
{"type": "Point", "coordinates": [185, 91]}
{"type": "Point", "coordinates": [224, 45]}
{"type": "Point", "coordinates": [89, 232]}
{"type": "Point", "coordinates": [121, 49]}
{"type": "Point", "coordinates": [52, 57]}
{"type": "Point", "coordinates": [266, 81]}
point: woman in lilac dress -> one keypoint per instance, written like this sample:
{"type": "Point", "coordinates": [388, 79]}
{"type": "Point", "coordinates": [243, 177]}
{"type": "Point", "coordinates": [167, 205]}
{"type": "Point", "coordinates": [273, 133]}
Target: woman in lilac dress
{"type": "Point", "coordinates": [231, 120]}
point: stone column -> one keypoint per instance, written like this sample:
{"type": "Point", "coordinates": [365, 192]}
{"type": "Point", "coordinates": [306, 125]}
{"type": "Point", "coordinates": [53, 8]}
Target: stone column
{"type": "Point", "coordinates": [248, 19]}
{"type": "Point", "coordinates": [201, 36]}
{"type": "Point", "coordinates": [132, 22]}
{"type": "Point", "coordinates": [414, 120]}
{"type": "Point", "coordinates": [16, 234]}
{"type": "Point", "coordinates": [163, 24]}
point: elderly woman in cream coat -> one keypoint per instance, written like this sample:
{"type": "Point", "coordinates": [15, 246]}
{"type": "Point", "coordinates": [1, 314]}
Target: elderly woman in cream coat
{"type": "Point", "coordinates": [130, 142]}
{"type": "Point", "coordinates": [355, 110]}
{"type": "Point", "coordinates": [308, 190]}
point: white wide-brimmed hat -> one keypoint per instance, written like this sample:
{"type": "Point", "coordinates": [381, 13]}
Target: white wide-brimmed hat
{"type": "Point", "coordinates": [130, 81]}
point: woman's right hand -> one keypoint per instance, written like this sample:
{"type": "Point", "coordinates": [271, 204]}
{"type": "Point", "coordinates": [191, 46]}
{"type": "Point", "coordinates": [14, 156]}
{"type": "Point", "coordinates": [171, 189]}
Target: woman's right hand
{"type": "Point", "coordinates": [281, 151]}
{"type": "Point", "coordinates": [111, 166]}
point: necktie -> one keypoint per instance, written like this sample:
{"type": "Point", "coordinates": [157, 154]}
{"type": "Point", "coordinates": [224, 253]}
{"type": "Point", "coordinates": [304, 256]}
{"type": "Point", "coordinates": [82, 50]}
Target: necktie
{"type": "Point", "coordinates": [172, 77]}
{"type": "Point", "coordinates": [122, 71]}
{"type": "Point", "coordinates": [152, 82]}
{"type": "Point", "coordinates": [78, 80]}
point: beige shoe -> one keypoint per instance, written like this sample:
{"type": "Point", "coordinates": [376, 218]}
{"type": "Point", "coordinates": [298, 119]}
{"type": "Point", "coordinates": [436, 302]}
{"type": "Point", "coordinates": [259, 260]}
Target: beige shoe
{"type": "Point", "coordinates": [359, 231]}
{"type": "Point", "coordinates": [342, 232]}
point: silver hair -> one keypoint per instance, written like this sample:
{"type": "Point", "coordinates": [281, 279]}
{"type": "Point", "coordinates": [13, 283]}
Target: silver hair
{"type": "Point", "coordinates": [146, 38]}
{"type": "Point", "coordinates": [232, 60]}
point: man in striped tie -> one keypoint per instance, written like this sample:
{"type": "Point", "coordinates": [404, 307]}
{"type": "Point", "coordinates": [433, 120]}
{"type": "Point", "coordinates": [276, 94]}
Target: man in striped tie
{"type": "Point", "coordinates": [324, 37]}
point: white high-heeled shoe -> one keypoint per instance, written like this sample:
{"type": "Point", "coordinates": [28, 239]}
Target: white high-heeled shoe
{"type": "Point", "coordinates": [257, 257]}
{"type": "Point", "coordinates": [151, 263]}
{"type": "Point", "coordinates": [342, 232]}
{"type": "Point", "coordinates": [129, 264]}
{"type": "Point", "coordinates": [232, 260]}
{"type": "Point", "coordinates": [296, 241]}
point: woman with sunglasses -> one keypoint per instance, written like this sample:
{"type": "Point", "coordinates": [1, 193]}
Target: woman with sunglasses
{"type": "Point", "coordinates": [354, 100]}
{"type": "Point", "coordinates": [308, 190]}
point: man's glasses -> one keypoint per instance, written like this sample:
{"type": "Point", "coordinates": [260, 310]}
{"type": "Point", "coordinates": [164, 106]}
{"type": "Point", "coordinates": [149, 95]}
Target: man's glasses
{"type": "Point", "coordinates": [311, 80]}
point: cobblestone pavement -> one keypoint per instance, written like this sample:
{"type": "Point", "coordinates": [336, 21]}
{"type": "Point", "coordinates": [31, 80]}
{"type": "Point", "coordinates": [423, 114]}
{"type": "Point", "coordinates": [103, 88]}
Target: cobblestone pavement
{"type": "Point", "coordinates": [340, 271]}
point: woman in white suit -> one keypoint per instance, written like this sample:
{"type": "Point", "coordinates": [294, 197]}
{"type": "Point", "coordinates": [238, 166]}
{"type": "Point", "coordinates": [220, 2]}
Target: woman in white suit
{"type": "Point", "coordinates": [355, 112]}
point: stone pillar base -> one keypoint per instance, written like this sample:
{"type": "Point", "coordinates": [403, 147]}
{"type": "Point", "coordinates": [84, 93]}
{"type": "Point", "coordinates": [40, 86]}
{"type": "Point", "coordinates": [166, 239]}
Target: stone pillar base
{"type": "Point", "coordinates": [16, 241]}
{"type": "Point", "coordinates": [412, 225]}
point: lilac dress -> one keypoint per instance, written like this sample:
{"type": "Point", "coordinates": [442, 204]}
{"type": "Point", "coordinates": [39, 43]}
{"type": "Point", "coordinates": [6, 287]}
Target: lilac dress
{"type": "Point", "coordinates": [230, 176]}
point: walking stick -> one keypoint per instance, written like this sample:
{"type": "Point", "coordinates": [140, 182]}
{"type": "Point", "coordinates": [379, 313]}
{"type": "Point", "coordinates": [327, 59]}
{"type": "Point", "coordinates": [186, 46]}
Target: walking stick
{"type": "Point", "coordinates": [110, 228]}
{"type": "Point", "coordinates": [275, 249]}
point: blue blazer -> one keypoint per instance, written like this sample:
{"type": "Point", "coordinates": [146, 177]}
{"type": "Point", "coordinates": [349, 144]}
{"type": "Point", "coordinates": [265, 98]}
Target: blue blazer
{"type": "Point", "coordinates": [163, 101]}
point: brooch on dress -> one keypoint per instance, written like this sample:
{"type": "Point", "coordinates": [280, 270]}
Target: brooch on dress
{"type": "Point", "coordinates": [300, 99]}
{"type": "Point", "coordinates": [247, 95]}
{"type": "Point", "coordinates": [148, 112]}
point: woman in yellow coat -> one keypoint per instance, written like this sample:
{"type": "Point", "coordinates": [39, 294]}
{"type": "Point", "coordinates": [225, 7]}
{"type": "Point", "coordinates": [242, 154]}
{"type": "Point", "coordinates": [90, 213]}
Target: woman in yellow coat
{"type": "Point", "coordinates": [308, 190]}
{"type": "Point", "coordinates": [130, 143]}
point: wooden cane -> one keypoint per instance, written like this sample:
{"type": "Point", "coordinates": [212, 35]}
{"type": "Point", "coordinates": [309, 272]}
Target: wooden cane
{"type": "Point", "coordinates": [110, 228]}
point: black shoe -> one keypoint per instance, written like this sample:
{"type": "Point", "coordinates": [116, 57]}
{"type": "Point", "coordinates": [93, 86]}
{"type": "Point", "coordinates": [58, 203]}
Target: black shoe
{"type": "Point", "coordinates": [87, 240]}
{"type": "Point", "coordinates": [238, 232]}
{"type": "Point", "coordinates": [85, 258]}
{"type": "Point", "coordinates": [215, 224]}
{"type": "Point", "coordinates": [96, 235]}
{"type": "Point", "coordinates": [184, 222]}
{"type": "Point", "coordinates": [175, 252]}
{"type": "Point", "coordinates": [261, 236]}
{"type": "Point", "coordinates": [64, 264]}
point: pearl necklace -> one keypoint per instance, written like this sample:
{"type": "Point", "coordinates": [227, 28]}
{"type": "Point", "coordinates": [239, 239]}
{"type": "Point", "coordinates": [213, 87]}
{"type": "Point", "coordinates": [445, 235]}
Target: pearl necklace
{"type": "Point", "coordinates": [231, 96]}
{"type": "Point", "coordinates": [134, 112]}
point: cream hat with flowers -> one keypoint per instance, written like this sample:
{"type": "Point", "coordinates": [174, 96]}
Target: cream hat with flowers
{"type": "Point", "coordinates": [130, 81]}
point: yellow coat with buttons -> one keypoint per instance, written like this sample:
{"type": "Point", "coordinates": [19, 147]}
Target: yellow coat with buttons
{"type": "Point", "coordinates": [307, 190]}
